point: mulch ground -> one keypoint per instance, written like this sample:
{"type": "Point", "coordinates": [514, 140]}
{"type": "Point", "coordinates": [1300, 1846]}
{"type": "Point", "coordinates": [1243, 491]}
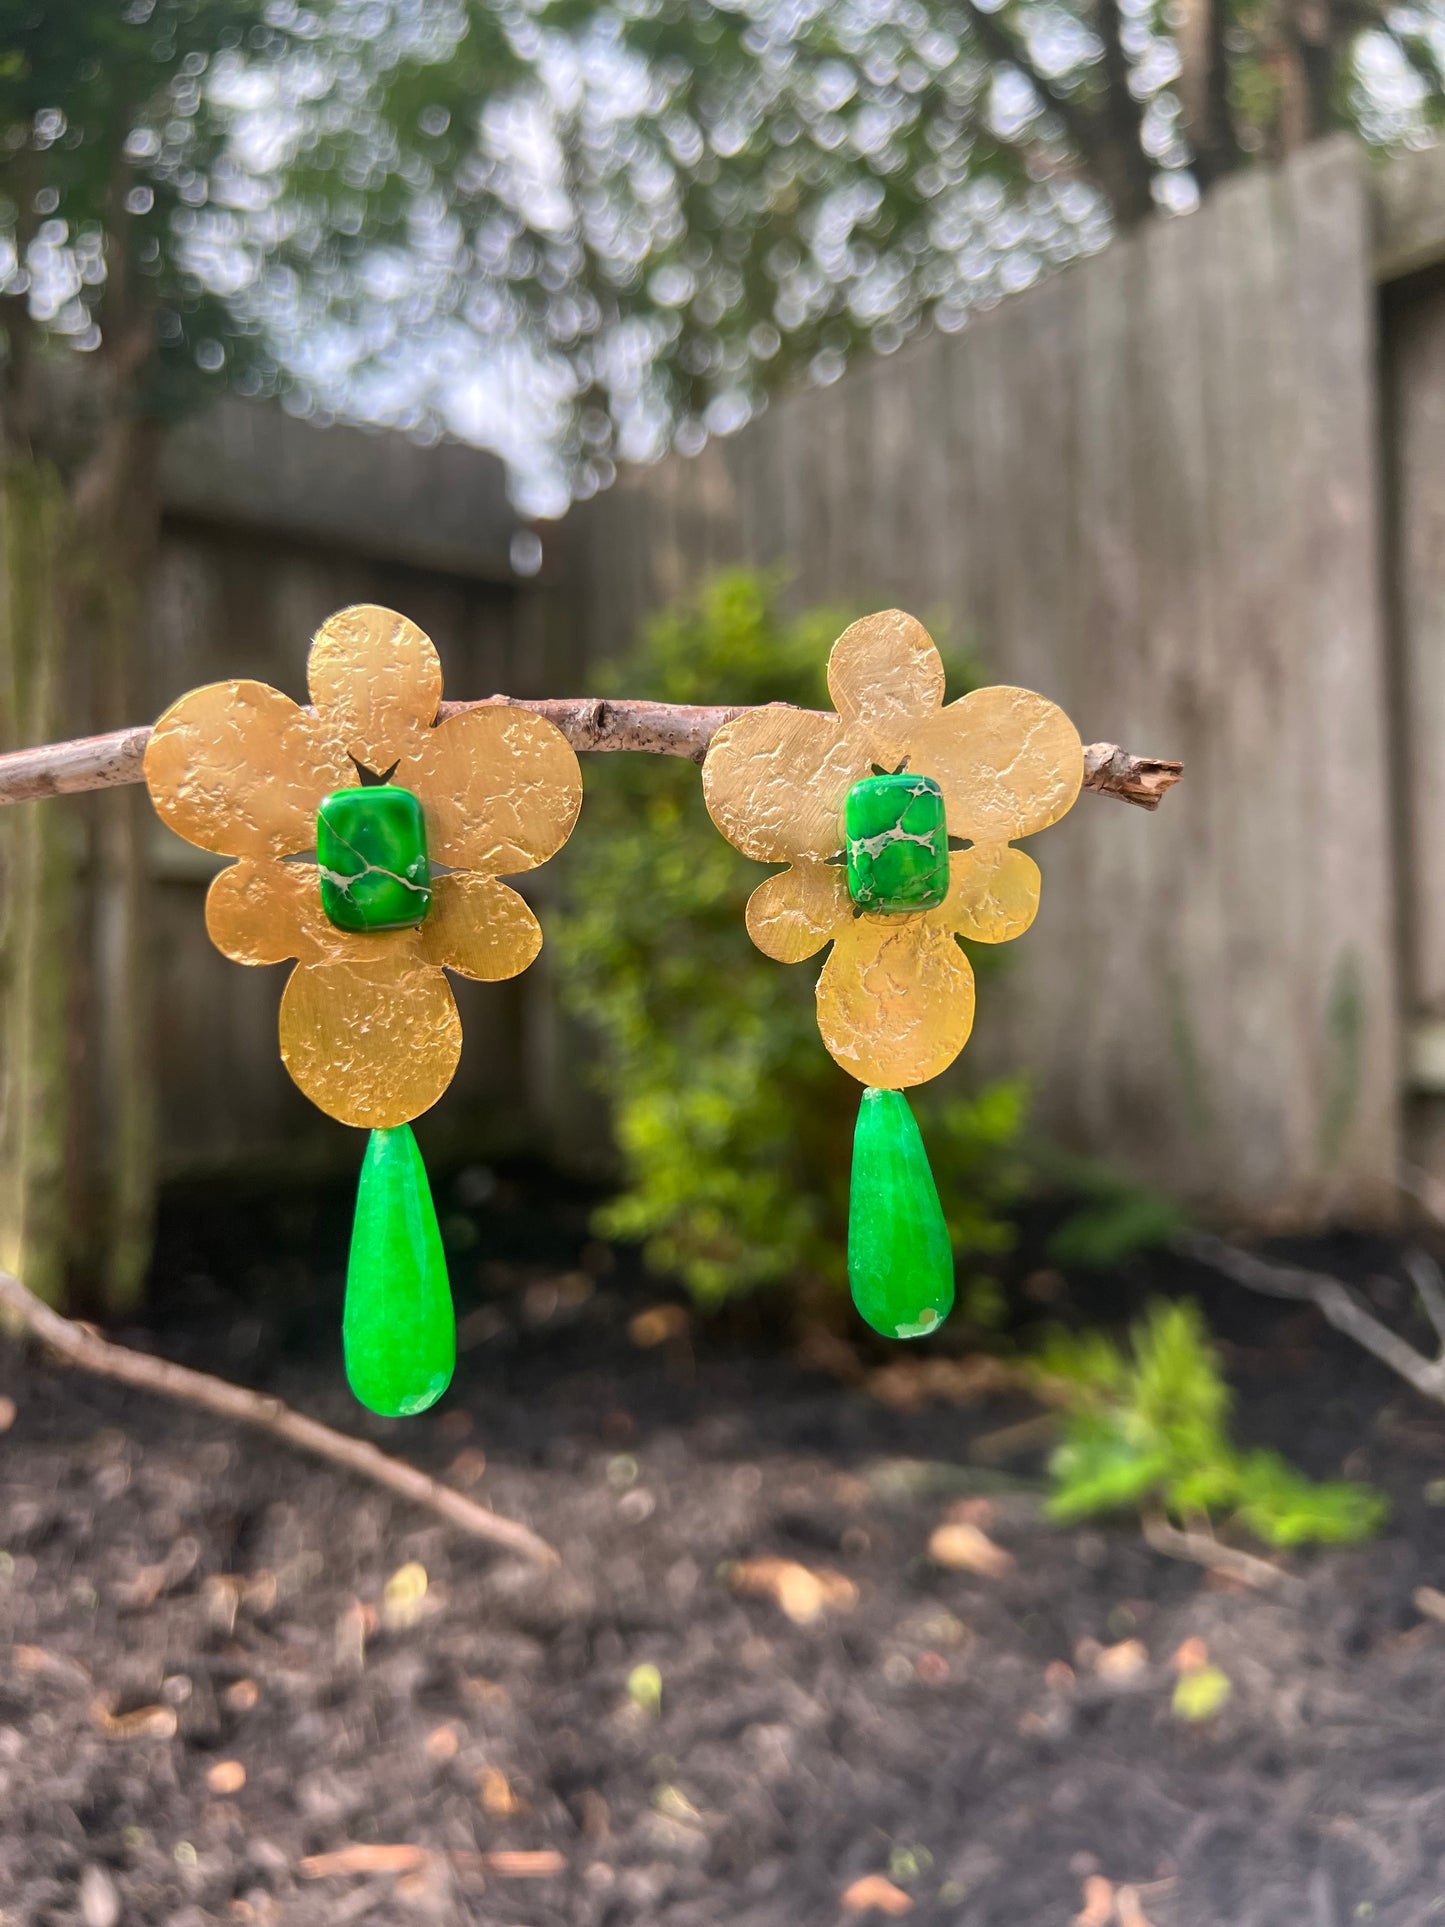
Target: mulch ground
{"type": "Point", "coordinates": [218, 1668]}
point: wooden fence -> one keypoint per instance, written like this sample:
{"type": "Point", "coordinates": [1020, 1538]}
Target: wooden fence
{"type": "Point", "coordinates": [1193, 488]}
{"type": "Point", "coordinates": [1149, 487]}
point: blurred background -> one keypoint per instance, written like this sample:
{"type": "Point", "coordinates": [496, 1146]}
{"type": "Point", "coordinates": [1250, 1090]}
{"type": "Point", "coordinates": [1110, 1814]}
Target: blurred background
{"type": "Point", "coordinates": [636, 349]}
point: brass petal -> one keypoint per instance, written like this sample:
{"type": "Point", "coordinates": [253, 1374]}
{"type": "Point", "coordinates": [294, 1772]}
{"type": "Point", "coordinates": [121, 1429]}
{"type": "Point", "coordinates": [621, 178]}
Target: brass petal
{"type": "Point", "coordinates": [1008, 762]}
{"type": "Point", "coordinates": [239, 768]}
{"type": "Point", "coordinates": [260, 913]}
{"type": "Point", "coordinates": [370, 1044]}
{"type": "Point", "coordinates": [792, 915]}
{"type": "Point", "coordinates": [501, 789]}
{"type": "Point", "coordinates": [775, 780]}
{"type": "Point", "coordinates": [885, 677]}
{"type": "Point", "coordinates": [479, 928]}
{"type": "Point", "coordinates": [993, 894]}
{"type": "Point", "coordinates": [895, 1000]}
{"type": "Point", "coordinates": [376, 680]}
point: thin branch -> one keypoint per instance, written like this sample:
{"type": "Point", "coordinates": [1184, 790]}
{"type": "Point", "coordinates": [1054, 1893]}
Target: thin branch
{"type": "Point", "coordinates": [588, 723]}
{"type": "Point", "coordinates": [1425, 1275]}
{"type": "Point", "coordinates": [79, 1345]}
{"type": "Point", "coordinates": [1202, 1549]}
{"type": "Point", "coordinates": [1340, 1306]}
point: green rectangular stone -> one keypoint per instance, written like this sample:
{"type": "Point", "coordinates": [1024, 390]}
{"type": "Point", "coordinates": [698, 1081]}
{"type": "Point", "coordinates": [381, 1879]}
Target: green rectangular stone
{"type": "Point", "coordinates": [371, 851]}
{"type": "Point", "coordinates": [897, 843]}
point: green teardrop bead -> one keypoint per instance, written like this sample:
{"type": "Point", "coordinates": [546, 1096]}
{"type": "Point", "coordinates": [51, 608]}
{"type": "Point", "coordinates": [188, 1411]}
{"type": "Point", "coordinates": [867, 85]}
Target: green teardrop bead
{"type": "Point", "coordinates": [900, 1260]}
{"type": "Point", "coordinates": [398, 1331]}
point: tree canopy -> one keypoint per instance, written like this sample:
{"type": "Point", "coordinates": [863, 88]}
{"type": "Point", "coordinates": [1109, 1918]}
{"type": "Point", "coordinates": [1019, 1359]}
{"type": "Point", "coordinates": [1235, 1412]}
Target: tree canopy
{"type": "Point", "coordinates": [587, 228]}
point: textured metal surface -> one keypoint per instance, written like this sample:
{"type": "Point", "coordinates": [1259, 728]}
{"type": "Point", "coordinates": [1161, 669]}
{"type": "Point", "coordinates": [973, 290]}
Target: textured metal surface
{"type": "Point", "coordinates": [371, 1044]}
{"type": "Point", "coordinates": [895, 998]}
{"type": "Point", "coordinates": [369, 1029]}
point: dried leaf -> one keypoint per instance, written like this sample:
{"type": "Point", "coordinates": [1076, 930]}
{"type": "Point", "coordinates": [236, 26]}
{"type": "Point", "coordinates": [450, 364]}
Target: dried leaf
{"type": "Point", "coordinates": [468, 1467]}
{"type": "Point", "coordinates": [1123, 1662]}
{"type": "Point", "coordinates": [657, 1325]}
{"type": "Point", "coordinates": [673, 1804]}
{"type": "Point", "coordinates": [1199, 1695]}
{"type": "Point", "coordinates": [1129, 1909]}
{"type": "Point", "coordinates": [99, 1898]}
{"type": "Point", "coordinates": [403, 1596]}
{"type": "Point", "coordinates": [1098, 1907]}
{"type": "Point", "coordinates": [1191, 1656]}
{"type": "Point", "coordinates": [965, 1548]}
{"type": "Point", "coordinates": [644, 1688]}
{"type": "Point", "coordinates": [226, 1776]}
{"type": "Point", "coordinates": [876, 1893]}
{"type": "Point", "coordinates": [442, 1743]}
{"type": "Point", "coordinates": [146, 1722]}
{"type": "Point", "coordinates": [241, 1695]}
{"type": "Point", "coordinates": [363, 1859]}
{"type": "Point", "coordinates": [350, 1643]}
{"type": "Point", "coordinates": [534, 1865]}
{"type": "Point", "coordinates": [57, 1666]}
{"type": "Point", "coordinates": [804, 1594]}
{"type": "Point", "coordinates": [494, 1790]}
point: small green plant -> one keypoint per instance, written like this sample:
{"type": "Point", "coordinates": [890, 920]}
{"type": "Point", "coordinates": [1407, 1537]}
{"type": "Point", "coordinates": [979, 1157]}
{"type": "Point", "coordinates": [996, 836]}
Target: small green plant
{"type": "Point", "coordinates": [1149, 1429]}
{"type": "Point", "coordinates": [733, 1123]}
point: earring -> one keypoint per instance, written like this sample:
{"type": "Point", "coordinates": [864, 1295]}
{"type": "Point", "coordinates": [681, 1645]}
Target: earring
{"type": "Point", "coordinates": [369, 840]}
{"type": "Point", "coordinates": [896, 819]}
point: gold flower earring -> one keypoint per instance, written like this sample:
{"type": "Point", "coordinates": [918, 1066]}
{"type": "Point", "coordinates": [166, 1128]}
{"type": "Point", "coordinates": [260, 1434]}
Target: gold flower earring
{"type": "Point", "coordinates": [896, 819]}
{"type": "Point", "coordinates": [369, 840]}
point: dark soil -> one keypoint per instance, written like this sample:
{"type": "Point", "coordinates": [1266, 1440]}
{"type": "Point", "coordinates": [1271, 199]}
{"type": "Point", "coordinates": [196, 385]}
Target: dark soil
{"type": "Point", "coordinates": [955, 1733]}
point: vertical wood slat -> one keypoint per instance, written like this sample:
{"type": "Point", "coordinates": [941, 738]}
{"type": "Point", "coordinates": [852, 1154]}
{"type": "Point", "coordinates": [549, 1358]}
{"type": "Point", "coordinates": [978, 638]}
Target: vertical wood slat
{"type": "Point", "coordinates": [1148, 487]}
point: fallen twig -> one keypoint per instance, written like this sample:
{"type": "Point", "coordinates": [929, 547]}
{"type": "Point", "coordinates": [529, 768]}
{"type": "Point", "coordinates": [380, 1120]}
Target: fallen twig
{"type": "Point", "coordinates": [1203, 1549]}
{"type": "Point", "coordinates": [1340, 1306]}
{"type": "Point", "coordinates": [81, 1346]}
{"type": "Point", "coordinates": [588, 723]}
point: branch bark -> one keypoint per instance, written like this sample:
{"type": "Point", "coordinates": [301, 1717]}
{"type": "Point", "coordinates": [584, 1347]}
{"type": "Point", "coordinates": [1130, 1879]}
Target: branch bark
{"type": "Point", "coordinates": [81, 1346]}
{"type": "Point", "coordinates": [588, 723]}
{"type": "Point", "coordinates": [1341, 1307]}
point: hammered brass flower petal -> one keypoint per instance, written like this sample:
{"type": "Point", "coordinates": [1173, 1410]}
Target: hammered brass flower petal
{"type": "Point", "coordinates": [370, 1044]}
{"type": "Point", "coordinates": [239, 768]}
{"type": "Point", "coordinates": [993, 894]}
{"type": "Point", "coordinates": [895, 1000]}
{"type": "Point", "coordinates": [792, 915]}
{"type": "Point", "coordinates": [1008, 762]}
{"type": "Point", "coordinates": [775, 780]}
{"type": "Point", "coordinates": [257, 913]}
{"type": "Point", "coordinates": [265, 912]}
{"type": "Point", "coordinates": [376, 681]}
{"type": "Point", "coordinates": [885, 677]}
{"type": "Point", "coordinates": [479, 928]}
{"type": "Point", "coordinates": [501, 788]}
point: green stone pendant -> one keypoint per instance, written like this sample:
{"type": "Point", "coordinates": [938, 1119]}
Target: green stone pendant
{"type": "Point", "coordinates": [398, 1331]}
{"type": "Point", "coordinates": [371, 851]}
{"type": "Point", "coordinates": [900, 1259]}
{"type": "Point", "coordinates": [897, 843]}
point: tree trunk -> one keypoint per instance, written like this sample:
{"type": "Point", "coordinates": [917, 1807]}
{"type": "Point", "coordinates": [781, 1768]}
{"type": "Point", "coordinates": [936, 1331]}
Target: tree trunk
{"type": "Point", "coordinates": [39, 846]}
{"type": "Point", "coordinates": [114, 1146]}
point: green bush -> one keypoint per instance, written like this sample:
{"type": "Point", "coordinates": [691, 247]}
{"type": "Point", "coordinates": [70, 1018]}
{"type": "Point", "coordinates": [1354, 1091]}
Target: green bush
{"type": "Point", "coordinates": [1150, 1429]}
{"type": "Point", "coordinates": [733, 1124]}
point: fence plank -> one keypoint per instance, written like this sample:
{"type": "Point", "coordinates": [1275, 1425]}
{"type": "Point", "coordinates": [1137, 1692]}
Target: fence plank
{"type": "Point", "coordinates": [1148, 488]}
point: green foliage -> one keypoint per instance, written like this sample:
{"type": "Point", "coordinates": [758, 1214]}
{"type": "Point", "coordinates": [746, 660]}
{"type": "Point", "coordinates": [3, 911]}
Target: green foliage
{"type": "Point", "coordinates": [1111, 1217]}
{"type": "Point", "coordinates": [734, 1124]}
{"type": "Point", "coordinates": [650, 214]}
{"type": "Point", "coordinates": [1151, 1428]}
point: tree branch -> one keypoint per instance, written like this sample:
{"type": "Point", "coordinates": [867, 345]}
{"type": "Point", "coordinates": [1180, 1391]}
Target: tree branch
{"type": "Point", "coordinates": [81, 1346]}
{"type": "Point", "coordinates": [1115, 158]}
{"type": "Point", "coordinates": [588, 723]}
{"type": "Point", "coordinates": [1341, 1307]}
